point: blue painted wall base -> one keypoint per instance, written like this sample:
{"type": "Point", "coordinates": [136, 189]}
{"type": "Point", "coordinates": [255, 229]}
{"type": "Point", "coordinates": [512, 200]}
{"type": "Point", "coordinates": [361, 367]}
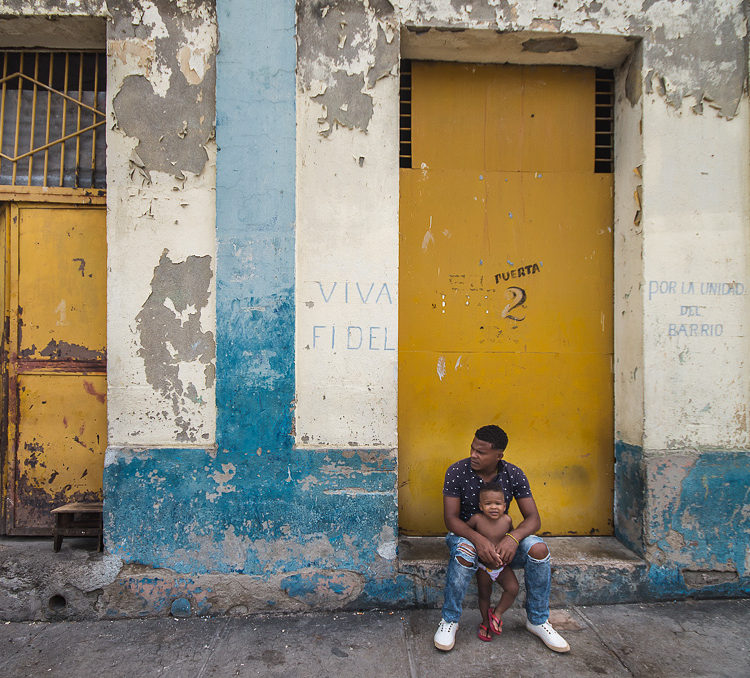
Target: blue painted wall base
{"type": "Point", "coordinates": [197, 511]}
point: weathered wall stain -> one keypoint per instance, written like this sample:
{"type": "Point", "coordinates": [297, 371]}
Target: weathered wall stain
{"type": "Point", "coordinates": [630, 496]}
{"type": "Point", "coordinates": [314, 587]}
{"type": "Point", "coordinates": [345, 102]}
{"type": "Point", "coordinates": [172, 111]}
{"type": "Point", "coordinates": [480, 12]}
{"type": "Point", "coordinates": [265, 519]}
{"type": "Point", "coordinates": [687, 516]}
{"type": "Point", "coordinates": [692, 48]}
{"type": "Point", "coordinates": [91, 390]}
{"type": "Point", "coordinates": [699, 516]}
{"type": "Point", "coordinates": [170, 332]}
{"type": "Point", "coordinates": [30, 577]}
{"type": "Point", "coordinates": [546, 45]}
{"type": "Point", "coordinates": [633, 78]}
{"type": "Point", "coordinates": [138, 590]}
{"type": "Point", "coordinates": [56, 7]}
{"type": "Point", "coordinates": [705, 59]}
{"type": "Point", "coordinates": [344, 48]}
{"type": "Point", "coordinates": [34, 502]}
{"type": "Point", "coordinates": [698, 579]}
{"type": "Point", "coordinates": [62, 350]}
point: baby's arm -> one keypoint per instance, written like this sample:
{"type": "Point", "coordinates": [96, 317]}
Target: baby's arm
{"type": "Point", "coordinates": [507, 522]}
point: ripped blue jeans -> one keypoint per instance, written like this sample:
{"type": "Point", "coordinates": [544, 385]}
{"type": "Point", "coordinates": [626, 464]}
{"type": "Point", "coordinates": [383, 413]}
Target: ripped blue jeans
{"type": "Point", "coordinates": [537, 577]}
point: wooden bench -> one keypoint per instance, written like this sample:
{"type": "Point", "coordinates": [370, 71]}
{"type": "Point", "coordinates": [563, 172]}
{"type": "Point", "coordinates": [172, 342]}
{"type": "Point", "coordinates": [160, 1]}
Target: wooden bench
{"type": "Point", "coordinates": [79, 519]}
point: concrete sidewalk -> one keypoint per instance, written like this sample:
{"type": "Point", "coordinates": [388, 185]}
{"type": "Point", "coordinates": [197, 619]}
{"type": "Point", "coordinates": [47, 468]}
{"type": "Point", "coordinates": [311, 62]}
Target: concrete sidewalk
{"type": "Point", "coordinates": [696, 638]}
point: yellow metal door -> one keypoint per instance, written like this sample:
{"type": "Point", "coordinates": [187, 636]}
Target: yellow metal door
{"type": "Point", "coordinates": [505, 311]}
{"type": "Point", "coordinates": [56, 361]}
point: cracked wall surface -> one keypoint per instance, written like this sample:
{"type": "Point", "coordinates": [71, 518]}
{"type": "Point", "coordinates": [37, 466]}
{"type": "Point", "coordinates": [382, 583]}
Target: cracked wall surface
{"type": "Point", "coordinates": [173, 343]}
{"type": "Point", "coordinates": [161, 222]}
{"type": "Point", "coordinates": [170, 107]}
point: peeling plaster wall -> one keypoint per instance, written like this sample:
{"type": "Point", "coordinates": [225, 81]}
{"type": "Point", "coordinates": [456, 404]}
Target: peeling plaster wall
{"type": "Point", "coordinates": [161, 223]}
{"type": "Point", "coordinates": [696, 46]}
{"type": "Point", "coordinates": [288, 509]}
{"type": "Point", "coordinates": [312, 528]}
{"type": "Point", "coordinates": [254, 513]}
{"type": "Point", "coordinates": [696, 523]}
{"type": "Point", "coordinates": [347, 234]}
{"type": "Point", "coordinates": [695, 278]}
{"type": "Point", "coordinates": [317, 526]}
{"type": "Point", "coordinates": [161, 193]}
{"type": "Point", "coordinates": [53, 8]}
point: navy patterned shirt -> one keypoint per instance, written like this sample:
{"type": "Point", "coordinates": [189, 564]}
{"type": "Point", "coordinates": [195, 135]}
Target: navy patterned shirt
{"type": "Point", "coordinates": [462, 482]}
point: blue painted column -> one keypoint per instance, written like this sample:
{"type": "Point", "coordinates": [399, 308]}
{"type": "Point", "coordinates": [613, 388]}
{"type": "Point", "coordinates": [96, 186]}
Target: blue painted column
{"type": "Point", "coordinates": [255, 94]}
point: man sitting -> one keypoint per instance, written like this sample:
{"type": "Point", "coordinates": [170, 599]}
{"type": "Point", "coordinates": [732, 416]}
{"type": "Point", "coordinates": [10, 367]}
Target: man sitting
{"type": "Point", "coordinates": [519, 548]}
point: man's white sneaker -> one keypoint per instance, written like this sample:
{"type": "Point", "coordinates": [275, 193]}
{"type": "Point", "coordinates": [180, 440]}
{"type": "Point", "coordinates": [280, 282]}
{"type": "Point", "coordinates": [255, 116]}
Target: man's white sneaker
{"type": "Point", "coordinates": [551, 638]}
{"type": "Point", "coordinates": [445, 636]}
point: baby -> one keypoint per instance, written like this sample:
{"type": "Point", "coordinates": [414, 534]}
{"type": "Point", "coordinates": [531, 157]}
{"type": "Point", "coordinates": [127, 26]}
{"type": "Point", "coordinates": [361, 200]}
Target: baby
{"type": "Point", "coordinates": [494, 524]}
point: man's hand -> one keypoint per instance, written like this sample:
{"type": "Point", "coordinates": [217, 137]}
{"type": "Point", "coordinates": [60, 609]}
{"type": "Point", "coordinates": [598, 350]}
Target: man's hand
{"type": "Point", "coordinates": [486, 551]}
{"type": "Point", "coordinates": [506, 549]}
{"type": "Point", "coordinates": [484, 547]}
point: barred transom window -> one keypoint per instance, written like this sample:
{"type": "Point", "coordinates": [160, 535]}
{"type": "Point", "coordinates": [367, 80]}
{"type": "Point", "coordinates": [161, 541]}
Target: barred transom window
{"type": "Point", "coordinates": [52, 115]}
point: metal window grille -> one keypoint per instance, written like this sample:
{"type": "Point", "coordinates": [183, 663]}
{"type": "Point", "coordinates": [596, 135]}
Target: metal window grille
{"type": "Point", "coordinates": [52, 115]}
{"type": "Point", "coordinates": [604, 122]}
{"type": "Point", "coordinates": [405, 115]}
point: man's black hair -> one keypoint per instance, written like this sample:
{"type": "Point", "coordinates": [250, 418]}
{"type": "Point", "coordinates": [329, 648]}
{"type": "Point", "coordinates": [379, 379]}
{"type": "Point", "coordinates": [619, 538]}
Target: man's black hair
{"type": "Point", "coordinates": [493, 435]}
{"type": "Point", "coordinates": [491, 487]}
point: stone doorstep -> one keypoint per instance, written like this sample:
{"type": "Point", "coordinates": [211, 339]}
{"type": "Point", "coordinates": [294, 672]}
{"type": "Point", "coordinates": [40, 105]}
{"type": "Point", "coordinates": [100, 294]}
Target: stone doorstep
{"type": "Point", "coordinates": [565, 551]}
{"type": "Point", "coordinates": [585, 570]}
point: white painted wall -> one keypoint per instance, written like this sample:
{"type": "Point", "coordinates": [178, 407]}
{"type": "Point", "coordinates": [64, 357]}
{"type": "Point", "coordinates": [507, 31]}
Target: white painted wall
{"type": "Point", "coordinates": [347, 277]}
{"type": "Point", "coordinates": [695, 231]}
{"type": "Point", "coordinates": [141, 223]}
{"type": "Point", "coordinates": [628, 251]}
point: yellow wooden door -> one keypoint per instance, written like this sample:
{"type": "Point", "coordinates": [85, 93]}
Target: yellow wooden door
{"type": "Point", "coordinates": [505, 298]}
{"type": "Point", "coordinates": [56, 367]}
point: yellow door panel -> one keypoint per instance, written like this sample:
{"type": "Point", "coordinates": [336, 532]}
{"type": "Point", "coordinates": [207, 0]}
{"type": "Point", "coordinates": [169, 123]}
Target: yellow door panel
{"type": "Point", "coordinates": [435, 143]}
{"type": "Point", "coordinates": [473, 116]}
{"type": "Point", "coordinates": [505, 311]}
{"type": "Point", "coordinates": [62, 437]}
{"type": "Point", "coordinates": [548, 405]}
{"type": "Point", "coordinates": [557, 124]}
{"type": "Point", "coordinates": [62, 272]}
{"type": "Point", "coordinates": [56, 368]}
{"type": "Point", "coordinates": [458, 268]}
